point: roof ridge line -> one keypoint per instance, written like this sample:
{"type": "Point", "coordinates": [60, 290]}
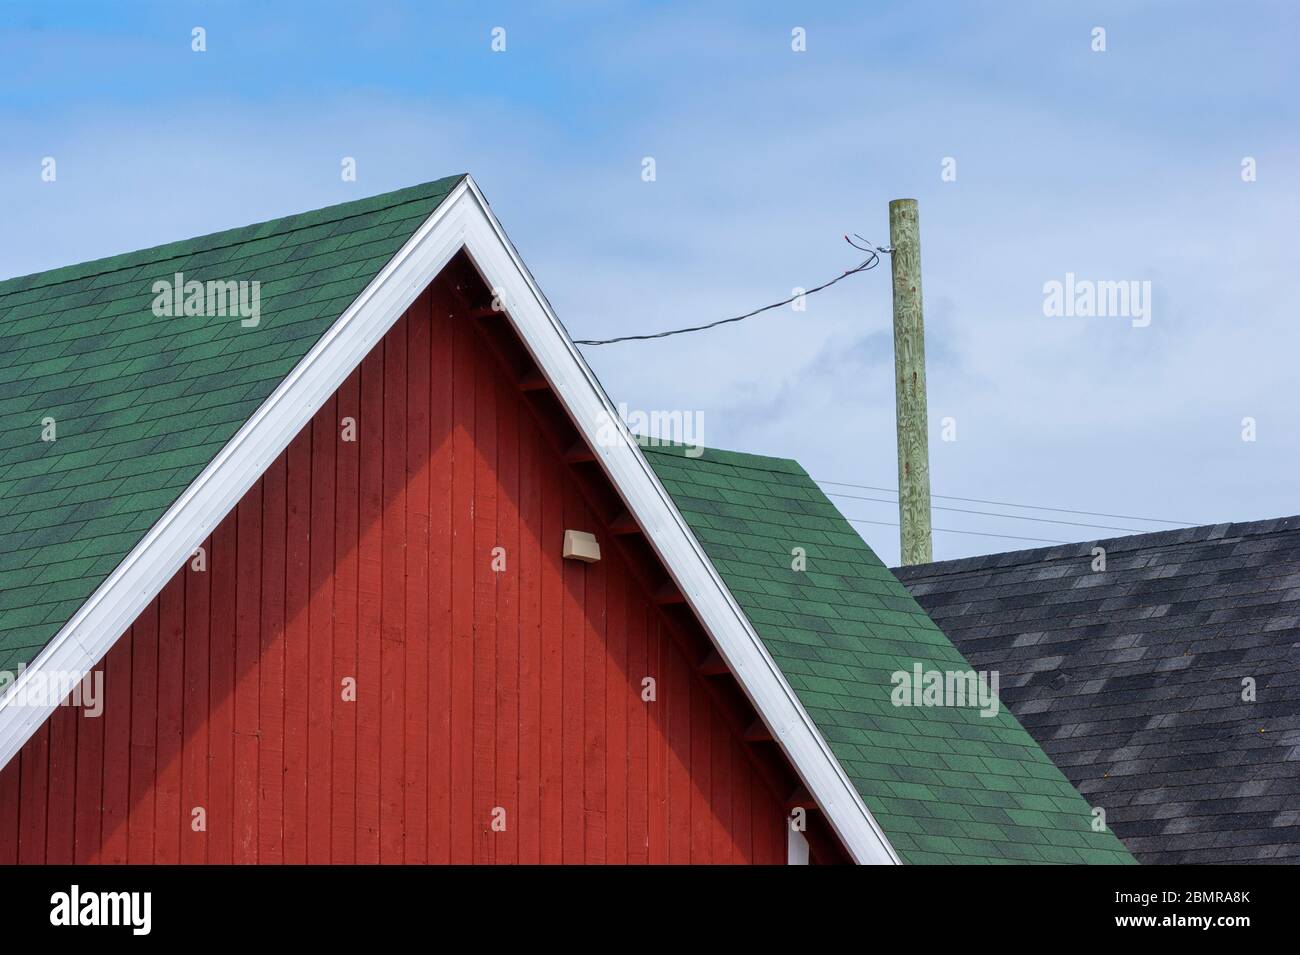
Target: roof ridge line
{"type": "Point", "coordinates": [669, 448]}
{"type": "Point", "coordinates": [1200, 533]}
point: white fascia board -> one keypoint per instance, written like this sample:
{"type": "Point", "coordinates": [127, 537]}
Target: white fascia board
{"type": "Point", "coordinates": [462, 220]}
{"type": "Point", "coordinates": [118, 601]}
{"type": "Point", "coordinates": [735, 638]}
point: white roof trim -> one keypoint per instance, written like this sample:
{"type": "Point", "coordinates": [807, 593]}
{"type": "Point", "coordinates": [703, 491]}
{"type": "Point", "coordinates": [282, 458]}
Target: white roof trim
{"type": "Point", "coordinates": [462, 220]}
{"type": "Point", "coordinates": [733, 635]}
{"type": "Point", "coordinates": [104, 617]}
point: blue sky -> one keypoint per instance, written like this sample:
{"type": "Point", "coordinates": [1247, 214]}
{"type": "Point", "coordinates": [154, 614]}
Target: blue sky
{"type": "Point", "coordinates": [1123, 165]}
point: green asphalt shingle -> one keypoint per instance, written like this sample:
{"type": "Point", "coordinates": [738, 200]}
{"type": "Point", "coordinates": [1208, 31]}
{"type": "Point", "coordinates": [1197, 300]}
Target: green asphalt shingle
{"type": "Point", "coordinates": [143, 403]}
{"type": "Point", "coordinates": [945, 783]}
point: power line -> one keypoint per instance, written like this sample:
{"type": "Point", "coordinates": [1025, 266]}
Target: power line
{"type": "Point", "coordinates": [1014, 517]}
{"type": "Point", "coordinates": [870, 263]}
{"type": "Point", "coordinates": [953, 530]}
{"type": "Point", "coordinates": [1031, 507]}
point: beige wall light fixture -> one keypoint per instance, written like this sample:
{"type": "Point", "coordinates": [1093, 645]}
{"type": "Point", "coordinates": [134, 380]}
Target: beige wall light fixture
{"type": "Point", "coordinates": [580, 545]}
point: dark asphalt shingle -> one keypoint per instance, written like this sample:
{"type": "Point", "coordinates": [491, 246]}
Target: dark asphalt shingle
{"type": "Point", "coordinates": [1131, 679]}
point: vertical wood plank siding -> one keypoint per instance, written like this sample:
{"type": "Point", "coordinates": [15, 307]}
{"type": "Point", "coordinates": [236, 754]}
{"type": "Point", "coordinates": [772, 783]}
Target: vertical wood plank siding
{"type": "Point", "coordinates": [478, 692]}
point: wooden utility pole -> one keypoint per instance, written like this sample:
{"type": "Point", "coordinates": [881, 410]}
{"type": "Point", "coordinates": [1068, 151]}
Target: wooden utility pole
{"type": "Point", "coordinates": [909, 385]}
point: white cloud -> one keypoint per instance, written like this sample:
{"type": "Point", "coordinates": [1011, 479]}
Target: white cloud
{"type": "Point", "coordinates": [1125, 168]}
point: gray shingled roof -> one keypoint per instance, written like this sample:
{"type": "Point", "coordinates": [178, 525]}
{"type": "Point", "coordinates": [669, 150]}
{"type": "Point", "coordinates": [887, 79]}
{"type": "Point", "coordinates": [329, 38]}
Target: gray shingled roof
{"type": "Point", "coordinates": [1132, 679]}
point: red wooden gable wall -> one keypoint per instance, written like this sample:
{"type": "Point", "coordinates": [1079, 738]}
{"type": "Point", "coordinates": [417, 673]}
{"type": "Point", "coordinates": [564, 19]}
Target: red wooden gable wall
{"type": "Point", "coordinates": [476, 690]}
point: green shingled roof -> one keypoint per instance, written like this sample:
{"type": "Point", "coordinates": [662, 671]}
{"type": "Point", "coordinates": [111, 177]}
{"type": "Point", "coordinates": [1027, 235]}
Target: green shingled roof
{"type": "Point", "coordinates": [945, 783]}
{"type": "Point", "coordinates": [141, 404]}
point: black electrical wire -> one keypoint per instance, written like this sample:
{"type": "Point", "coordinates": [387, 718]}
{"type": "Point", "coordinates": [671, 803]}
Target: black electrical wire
{"type": "Point", "coordinates": [1014, 517]}
{"type": "Point", "coordinates": [953, 530]}
{"type": "Point", "coordinates": [870, 263]}
{"type": "Point", "coordinates": [1032, 507]}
